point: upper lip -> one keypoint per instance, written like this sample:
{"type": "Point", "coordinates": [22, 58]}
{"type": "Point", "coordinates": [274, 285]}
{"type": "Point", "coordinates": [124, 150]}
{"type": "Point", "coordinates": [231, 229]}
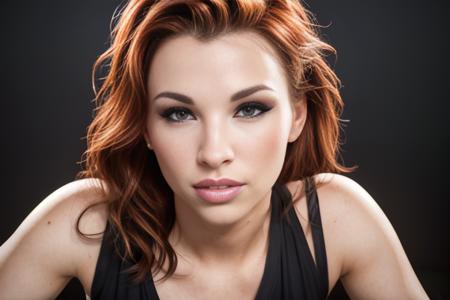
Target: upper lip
{"type": "Point", "coordinates": [217, 182]}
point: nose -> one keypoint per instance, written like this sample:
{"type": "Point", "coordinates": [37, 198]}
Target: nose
{"type": "Point", "coordinates": [215, 148]}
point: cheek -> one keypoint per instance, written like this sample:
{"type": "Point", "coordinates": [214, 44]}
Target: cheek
{"type": "Point", "coordinates": [269, 145]}
{"type": "Point", "coordinates": [172, 151]}
{"type": "Point", "coordinates": [265, 146]}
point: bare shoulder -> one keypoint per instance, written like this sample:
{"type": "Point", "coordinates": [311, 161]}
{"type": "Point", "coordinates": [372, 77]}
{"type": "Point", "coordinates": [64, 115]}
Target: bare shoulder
{"type": "Point", "coordinates": [46, 250]}
{"type": "Point", "coordinates": [336, 195]}
{"type": "Point", "coordinates": [362, 246]}
{"type": "Point", "coordinates": [350, 211]}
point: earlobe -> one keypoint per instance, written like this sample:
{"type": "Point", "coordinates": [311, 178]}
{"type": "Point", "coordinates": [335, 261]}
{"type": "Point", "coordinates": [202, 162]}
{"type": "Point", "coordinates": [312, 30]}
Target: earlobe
{"type": "Point", "coordinates": [299, 114]}
{"type": "Point", "coordinates": [147, 141]}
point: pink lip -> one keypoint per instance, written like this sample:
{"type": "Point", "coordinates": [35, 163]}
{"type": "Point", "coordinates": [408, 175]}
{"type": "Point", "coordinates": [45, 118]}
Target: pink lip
{"type": "Point", "coordinates": [218, 195]}
{"type": "Point", "coordinates": [212, 182]}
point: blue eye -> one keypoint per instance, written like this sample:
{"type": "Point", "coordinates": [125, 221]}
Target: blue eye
{"type": "Point", "coordinates": [178, 114]}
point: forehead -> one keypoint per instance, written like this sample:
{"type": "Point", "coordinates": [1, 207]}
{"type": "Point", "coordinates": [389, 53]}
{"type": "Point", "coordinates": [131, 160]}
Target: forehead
{"type": "Point", "coordinates": [226, 63]}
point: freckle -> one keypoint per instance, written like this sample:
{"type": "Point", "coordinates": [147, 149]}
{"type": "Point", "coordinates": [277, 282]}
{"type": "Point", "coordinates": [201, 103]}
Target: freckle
{"type": "Point", "coordinates": [49, 222]}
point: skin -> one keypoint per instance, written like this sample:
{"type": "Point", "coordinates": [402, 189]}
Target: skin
{"type": "Point", "coordinates": [225, 141]}
{"type": "Point", "coordinates": [224, 243]}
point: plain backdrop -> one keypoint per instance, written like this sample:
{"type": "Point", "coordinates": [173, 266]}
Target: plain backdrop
{"type": "Point", "coordinates": [392, 60]}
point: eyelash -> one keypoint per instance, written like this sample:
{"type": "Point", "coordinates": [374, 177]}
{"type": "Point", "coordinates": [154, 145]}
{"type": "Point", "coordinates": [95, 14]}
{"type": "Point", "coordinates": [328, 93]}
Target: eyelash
{"type": "Point", "coordinates": [254, 105]}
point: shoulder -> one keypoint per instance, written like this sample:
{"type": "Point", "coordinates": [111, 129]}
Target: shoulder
{"type": "Point", "coordinates": [80, 204]}
{"type": "Point", "coordinates": [47, 242]}
{"type": "Point", "coordinates": [82, 200]}
{"type": "Point", "coordinates": [362, 245]}
{"type": "Point", "coordinates": [59, 211]}
{"type": "Point", "coordinates": [337, 196]}
{"type": "Point", "coordinates": [341, 197]}
{"type": "Point", "coordinates": [359, 227]}
{"type": "Point", "coordinates": [342, 204]}
{"type": "Point", "coordinates": [354, 225]}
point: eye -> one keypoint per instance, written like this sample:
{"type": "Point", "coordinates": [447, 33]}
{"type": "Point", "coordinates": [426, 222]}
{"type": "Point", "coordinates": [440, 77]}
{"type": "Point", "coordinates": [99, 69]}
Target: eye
{"type": "Point", "coordinates": [179, 114]}
{"type": "Point", "coordinates": [249, 108]}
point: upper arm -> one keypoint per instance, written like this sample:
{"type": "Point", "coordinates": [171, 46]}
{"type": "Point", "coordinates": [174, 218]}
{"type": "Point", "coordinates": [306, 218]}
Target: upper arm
{"type": "Point", "coordinates": [374, 264]}
{"type": "Point", "coordinates": [44, 253]}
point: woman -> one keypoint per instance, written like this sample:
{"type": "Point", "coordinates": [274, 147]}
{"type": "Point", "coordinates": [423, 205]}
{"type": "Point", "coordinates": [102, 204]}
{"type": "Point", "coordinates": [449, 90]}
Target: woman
{"type": "Point", "coordinates": [211, 171]}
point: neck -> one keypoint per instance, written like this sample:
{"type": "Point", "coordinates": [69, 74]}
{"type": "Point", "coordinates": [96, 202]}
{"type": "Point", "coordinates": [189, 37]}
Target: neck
{"type": "Point", "coordinates": [228, 244]}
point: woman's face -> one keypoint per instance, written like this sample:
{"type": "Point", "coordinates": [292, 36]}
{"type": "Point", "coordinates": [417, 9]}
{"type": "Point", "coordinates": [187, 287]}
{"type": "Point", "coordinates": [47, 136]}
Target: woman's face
{"type": "Point", "coordinates": [230, 130]}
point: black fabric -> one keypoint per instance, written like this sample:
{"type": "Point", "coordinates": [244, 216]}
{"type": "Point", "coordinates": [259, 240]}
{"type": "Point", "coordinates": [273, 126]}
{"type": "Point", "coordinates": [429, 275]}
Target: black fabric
{"type": "Point", "coordinates": [289, 272]}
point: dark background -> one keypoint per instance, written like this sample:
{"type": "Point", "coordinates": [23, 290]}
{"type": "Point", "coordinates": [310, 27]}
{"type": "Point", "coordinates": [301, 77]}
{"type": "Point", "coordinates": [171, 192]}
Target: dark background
{"type": "Point", "coordinates": [392, 60]}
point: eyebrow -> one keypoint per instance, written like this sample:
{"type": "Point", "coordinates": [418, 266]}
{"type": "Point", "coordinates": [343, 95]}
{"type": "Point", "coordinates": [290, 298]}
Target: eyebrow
{"type": "Point", "coordinates": [236, 96]}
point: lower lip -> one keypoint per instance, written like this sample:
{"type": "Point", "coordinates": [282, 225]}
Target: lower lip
{"type": "Point", "coordinates": [218, 195]}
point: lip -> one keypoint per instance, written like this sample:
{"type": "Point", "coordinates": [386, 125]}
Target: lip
{"type": "Point", "coordinates": [206, 183]}
{"type": "Point", "coordinates": [215, 196]}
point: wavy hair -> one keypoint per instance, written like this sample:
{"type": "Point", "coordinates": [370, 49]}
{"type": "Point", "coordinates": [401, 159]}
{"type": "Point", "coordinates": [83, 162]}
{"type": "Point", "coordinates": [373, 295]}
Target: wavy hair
{"type": "Point", "coordinates": [139, 200]}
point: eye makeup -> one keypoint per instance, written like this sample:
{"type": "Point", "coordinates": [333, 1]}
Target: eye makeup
{"type": "Point", "coordinates": [177, 114]}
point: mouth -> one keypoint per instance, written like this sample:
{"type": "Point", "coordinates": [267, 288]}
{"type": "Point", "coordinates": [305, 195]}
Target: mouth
{"type": "Point", "coordinates": [216, 187]}
{"type": "Point", "coordinates": [218, 194]}
{"type": "Point", "coordinates": [218, 190]}
{"type": "Point", "coordinates": [217, 184]}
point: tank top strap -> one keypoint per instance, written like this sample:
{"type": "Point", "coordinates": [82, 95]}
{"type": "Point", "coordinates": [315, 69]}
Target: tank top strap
{"type": "Point", "coordinates": [317, 230]}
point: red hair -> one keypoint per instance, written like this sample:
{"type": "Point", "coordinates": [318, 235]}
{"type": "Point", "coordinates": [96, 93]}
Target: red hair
{"type": "Point", "coordinates": [139, 199]}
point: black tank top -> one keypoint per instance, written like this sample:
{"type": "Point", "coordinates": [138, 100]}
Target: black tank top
{"type": "Point", "coordinates": [289, 272]}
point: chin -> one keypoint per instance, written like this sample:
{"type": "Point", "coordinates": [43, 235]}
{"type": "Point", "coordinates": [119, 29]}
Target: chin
{"type": "Point", "coordinates": [222, 215]}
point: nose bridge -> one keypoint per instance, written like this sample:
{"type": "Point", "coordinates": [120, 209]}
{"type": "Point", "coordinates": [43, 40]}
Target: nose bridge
{"type": "Point", "coordinates": [215, 147]}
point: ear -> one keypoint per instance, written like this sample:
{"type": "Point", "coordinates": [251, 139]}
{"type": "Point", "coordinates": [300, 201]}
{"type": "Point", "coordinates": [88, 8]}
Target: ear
{"type": "Point", "coordinates": [299, 113]}
{"type": "Point", "coordinates": [147, 140]}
